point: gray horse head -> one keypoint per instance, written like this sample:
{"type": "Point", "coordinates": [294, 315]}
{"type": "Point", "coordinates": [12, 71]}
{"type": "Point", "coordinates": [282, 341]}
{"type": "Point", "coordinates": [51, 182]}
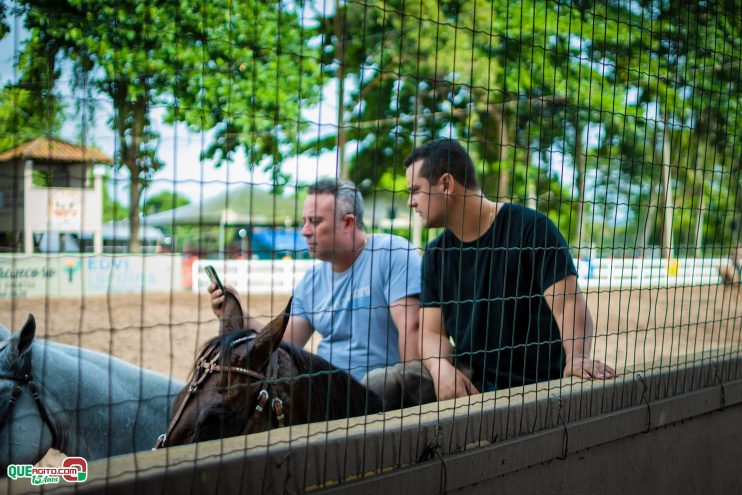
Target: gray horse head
{"type": "Point", "coordinates": [24, 429]}
{"type": "Point", "coordinates": [90, 404]}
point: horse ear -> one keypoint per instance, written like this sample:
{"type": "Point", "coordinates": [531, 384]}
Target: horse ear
{"type": "Point", "coordinates": [232, 316]}
{"type": "Point", "coordinates": [21, 341]}
{"type": "Point", "coordinates": [269, 339]}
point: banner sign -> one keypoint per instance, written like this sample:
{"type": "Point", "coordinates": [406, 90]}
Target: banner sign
{"type": "Point", "coordinates": [73, 275]}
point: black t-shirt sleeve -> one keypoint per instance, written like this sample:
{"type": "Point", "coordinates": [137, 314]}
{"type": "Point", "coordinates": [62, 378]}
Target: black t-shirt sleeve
{"type": "Point", "coordinates": [552, 258]}
{"type": "Point", "coordinates": [430, 296]}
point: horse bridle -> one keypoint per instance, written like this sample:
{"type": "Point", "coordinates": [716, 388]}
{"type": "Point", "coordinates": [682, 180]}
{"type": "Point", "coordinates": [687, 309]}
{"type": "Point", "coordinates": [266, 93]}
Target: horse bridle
{"type": "Point", "coordinates": [204, 368]}
{"type": "Point", "coordinates": [25, 377]}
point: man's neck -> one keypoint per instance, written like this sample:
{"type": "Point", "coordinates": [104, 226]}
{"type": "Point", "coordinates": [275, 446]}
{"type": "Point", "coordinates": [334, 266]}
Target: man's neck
{"type": "Point", "coordinates": [470, 215]}
{"type": "Point", "coordinates": [345, 259]}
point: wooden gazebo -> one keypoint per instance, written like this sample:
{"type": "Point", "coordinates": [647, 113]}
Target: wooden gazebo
{"type": "Point", "coordinates": [50, 186]}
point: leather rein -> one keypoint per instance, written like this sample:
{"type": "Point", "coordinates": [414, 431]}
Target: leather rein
{"type": "Point", "coordinates": [25, 377]}
{"type": "Point", "coordinates": [205, 368]}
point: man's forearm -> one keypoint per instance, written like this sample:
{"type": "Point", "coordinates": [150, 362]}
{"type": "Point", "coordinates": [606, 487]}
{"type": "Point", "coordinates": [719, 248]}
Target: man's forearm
{"type": "Point", "coordinates": [569, 308]}
{"type": "Point", "coordinates": [434, 347]}
{"type": "Point", "coordinates": [575, 326]}
{"type": "Point", "coordinates": [408, 345]}
{"type": "Point", "coordinates": [405, 314]}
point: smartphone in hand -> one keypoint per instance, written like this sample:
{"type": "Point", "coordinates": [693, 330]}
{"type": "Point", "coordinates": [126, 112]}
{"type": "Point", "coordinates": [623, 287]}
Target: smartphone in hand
{"type": "Point", "coordinates": [232, 317]}
{"type": "Point", "coordinates": [211, 273]}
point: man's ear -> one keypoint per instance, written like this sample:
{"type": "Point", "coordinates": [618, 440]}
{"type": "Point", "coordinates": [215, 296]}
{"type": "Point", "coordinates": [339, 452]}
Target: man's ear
{"type": "Point", "coordinates": [349, 221]}
{"type": "Point", "coordinates": [447, 183]}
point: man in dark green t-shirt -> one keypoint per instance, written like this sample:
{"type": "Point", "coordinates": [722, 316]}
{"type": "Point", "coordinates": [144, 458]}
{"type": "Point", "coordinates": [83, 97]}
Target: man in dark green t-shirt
{"type": "Point", "coordinates": [500, 281]}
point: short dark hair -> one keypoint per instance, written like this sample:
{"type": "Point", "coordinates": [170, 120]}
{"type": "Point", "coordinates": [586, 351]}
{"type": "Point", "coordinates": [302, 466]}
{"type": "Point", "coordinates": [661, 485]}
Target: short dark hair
{"type": "Point", "coordinates": [442, 156]}
{"type": "Point", "coordinates": [348, 197]}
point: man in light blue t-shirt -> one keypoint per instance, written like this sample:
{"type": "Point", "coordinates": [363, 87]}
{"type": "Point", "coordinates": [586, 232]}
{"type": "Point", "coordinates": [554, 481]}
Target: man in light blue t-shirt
{"type": "Point", "coordinates": [363, 298]}
{"type": "Point", "coordinates": [360, 311]}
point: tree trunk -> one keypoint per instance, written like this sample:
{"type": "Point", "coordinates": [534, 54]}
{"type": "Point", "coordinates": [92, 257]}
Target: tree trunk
{"type": "Point", "coordinates": [124, 113]}
{"type": "Point", "coordinates": [580, 158]}
{"type": "Point", "coordinates": [666, 193]}
{"type": "Point", "coordinates": [339, 31]}
{"type": "Point", "coordinates": [654, 217]}
{"type": "Point", "coordinates": [531, 200]}
{"type": "Point", "coordinates": [699, 226]}
{"type": "Point", "coordinates": [133, 163]}
{"type": "Point", "coordinates": [698, 231]}
{"type": "Point", "coordinates": [134, 194]}
{"type": "Point", "coordinates": [651, 220]}
{"type": "Point", "coordinates": [503, 173]}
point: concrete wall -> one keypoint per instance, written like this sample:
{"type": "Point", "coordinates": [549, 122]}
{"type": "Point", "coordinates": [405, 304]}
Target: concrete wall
{"type": "Point", "coordinates": [672, 429]}
{"type": "Point", "coordinates": [694, 456]}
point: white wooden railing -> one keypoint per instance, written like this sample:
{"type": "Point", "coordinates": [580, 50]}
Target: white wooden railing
{"type": "Point", "coordinates": [633, 273]}
{"type": "Point", "coordinates": [252, 276]}
{"type": "Point", "coordinates": [280, 276]}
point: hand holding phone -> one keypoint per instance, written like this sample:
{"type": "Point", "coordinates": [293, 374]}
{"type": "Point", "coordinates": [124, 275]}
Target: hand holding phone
{"type": "Point", "coordinates": [211, 273]}
{"type": "Point", "coordinates": [230, 313]}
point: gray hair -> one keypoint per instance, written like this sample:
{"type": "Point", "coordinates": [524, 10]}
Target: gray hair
{"type": "Point", "coordinates": [348, 198]}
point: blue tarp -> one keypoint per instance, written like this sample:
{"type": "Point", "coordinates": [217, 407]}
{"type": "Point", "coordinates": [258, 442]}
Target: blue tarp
{"type": "Point", "coordinates": [281, 241]}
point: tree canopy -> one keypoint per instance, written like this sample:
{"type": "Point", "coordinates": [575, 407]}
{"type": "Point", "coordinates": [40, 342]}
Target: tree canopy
{"type": "Point", "coordinates": [609, 116]}
{"type": "Point", "coordinates": [618, 119]}
{"type": "Point", "coordinates": [221, 65]}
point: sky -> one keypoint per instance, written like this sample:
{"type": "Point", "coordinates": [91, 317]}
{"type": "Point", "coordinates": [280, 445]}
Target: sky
{"type": "Point", "coordinates": [178, 148]}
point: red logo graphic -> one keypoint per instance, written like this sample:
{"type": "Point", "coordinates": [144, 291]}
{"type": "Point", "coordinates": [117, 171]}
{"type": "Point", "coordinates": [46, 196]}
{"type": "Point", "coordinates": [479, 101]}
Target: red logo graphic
{"type": "Point", "coordinates": [82, 469]}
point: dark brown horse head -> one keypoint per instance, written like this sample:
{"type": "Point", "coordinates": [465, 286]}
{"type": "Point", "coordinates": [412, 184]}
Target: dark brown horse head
{"type": "Point", "coordinates": [224, 387]}
{"type": "Point", "coordinates": [246, 381]}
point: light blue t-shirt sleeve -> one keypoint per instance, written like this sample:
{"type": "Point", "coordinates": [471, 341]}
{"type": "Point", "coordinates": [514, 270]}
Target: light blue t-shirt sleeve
{"type": "Point", "coordinates": [405, 271]}
{"type": "Point", "coordinates": [298, 297]}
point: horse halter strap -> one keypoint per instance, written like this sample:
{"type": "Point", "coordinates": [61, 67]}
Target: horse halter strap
{"type": "Point", "coordinates": [211, 366]}
{"type": "Point", "coordinates": [25, 377]}
{"type": "Point", "coordinates": [264, 395]}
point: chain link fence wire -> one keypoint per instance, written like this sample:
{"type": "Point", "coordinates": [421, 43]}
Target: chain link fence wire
{"type": "Point", "coordinates": [526, 200]}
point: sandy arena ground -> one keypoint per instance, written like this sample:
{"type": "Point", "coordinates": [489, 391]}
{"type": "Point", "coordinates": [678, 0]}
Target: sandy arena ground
{"type": "Point", "coordinates": [164, 331]}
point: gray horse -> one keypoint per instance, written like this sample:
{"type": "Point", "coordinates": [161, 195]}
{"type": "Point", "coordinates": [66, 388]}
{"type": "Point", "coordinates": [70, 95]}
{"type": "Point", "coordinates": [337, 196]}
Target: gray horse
{"type": "Point", "coordinates": [89, 404]}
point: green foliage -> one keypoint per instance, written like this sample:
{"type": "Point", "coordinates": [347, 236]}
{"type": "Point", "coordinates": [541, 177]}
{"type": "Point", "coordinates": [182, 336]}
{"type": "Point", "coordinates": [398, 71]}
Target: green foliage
{"type": "Point", "coordinates": [616, 94]}
{"type": "Point", "coordinates": [522, 79]}
{"type": "Point", "coordinates": [240, 68]}
{"type": "Point", "coordinates": [245, 70]}
{"type": "Point", "coordinates": [4, 28]}
{"type": "Point", "coordinates": [24, 116]}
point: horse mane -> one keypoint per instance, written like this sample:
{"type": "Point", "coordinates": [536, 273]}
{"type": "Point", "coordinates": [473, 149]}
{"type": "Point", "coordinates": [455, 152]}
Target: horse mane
{"type": "Point", "coordinates": [344, 397]}
{"type": "Point", "coordinates": [332, 393]}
